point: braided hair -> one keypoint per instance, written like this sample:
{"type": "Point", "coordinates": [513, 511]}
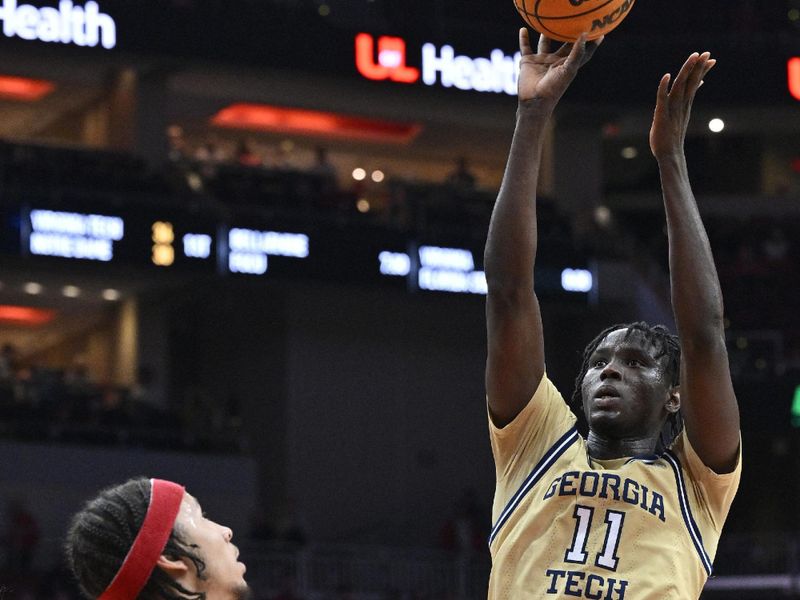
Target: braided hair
{"type": "Point", "coordinates": [101, 535]}
{"type": "Point", "coordinates": [666, 345]}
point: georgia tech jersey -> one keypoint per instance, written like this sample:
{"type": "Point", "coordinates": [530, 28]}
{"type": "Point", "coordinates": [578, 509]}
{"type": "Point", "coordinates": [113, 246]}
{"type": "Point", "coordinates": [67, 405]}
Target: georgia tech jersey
{"type": "Point", "coordinates": [568, 525]}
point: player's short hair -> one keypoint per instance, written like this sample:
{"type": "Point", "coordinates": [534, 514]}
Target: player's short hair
{"type": "Point", "coordinates": [102, 533]}
{"type": "Point", "coordinates": [666, 345]}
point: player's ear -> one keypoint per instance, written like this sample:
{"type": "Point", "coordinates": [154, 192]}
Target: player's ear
{"type": "Point", "coordinates": [174, 567]}
{"type": "Point", "coordinates": [673, 403]}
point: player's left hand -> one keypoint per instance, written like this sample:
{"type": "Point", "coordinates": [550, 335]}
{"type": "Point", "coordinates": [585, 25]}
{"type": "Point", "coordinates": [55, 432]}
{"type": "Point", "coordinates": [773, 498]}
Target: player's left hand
{"type": "Point", "coordinates": [674, 105]}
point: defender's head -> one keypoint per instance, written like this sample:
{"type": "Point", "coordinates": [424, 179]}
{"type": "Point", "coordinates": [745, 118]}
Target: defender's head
{"type": "Point", "coordinates": [148, 539]}
{"type": "Point", "coordinates": [629, 383]}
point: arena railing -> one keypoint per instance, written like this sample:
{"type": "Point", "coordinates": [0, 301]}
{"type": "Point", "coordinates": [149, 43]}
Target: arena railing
{"type": "Point", "coordinates": [747, 566]}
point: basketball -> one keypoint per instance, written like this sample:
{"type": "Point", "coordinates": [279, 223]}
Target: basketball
{"type": "Point", "coordinates": [565, 20]}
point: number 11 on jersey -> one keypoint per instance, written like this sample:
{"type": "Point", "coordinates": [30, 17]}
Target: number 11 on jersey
{"type": "Point", "coordinates": [607, 558]}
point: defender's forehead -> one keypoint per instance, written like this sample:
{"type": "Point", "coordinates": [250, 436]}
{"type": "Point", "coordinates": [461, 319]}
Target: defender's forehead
{"type": "Point", "coordinates": [626, 338]}
{"type": "Point", "coordinates": [190, 513]}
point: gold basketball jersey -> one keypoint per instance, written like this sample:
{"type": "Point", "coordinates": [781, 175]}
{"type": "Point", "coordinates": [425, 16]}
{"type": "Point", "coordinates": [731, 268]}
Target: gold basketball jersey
{"type": "Point", "coordinates": [567, 525]}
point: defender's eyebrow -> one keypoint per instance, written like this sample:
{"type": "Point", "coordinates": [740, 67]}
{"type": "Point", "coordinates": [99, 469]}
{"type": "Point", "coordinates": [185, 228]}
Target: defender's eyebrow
{"type": "Point", "coordinates": [623, 348]}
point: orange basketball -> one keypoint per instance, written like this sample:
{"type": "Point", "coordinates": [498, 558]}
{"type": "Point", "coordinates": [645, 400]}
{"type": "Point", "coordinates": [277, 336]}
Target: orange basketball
{"type": "Point", "coordinates": [565, 20]}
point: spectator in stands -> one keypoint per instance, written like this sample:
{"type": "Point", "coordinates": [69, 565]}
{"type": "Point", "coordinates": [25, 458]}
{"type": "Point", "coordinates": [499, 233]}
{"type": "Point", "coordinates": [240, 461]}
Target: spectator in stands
{"type": "Point", "coordinates": [144, 393]}
{"type": "Point", "coordinates": [148, 539]}
{"type": "Point", "coordinates": [462, 177]}
{"type": "Point", "coordinates": [277, 158]}
{"type": "Point", "coordinates": [110, 410]}
{"type": "Point", "coordinates": [77, 377]}
{"type": "Point", "coordinates": [8, 366]}
{"type": "Point", "coordinates": [210, 152]}
{"type": "Point", "coordinates": [178, 149]}
{"type": "Point", "coordinates": [325, 172]}
{"type": "Point", "coordinates": [181, 174]}
{"type": "Point", "coordinates": [322, 165]}
{"type": "Point", "coordinates": [8, 362]}
{"type": "Point", "coordinates": [79, 392]}
{"type": "Point", "coordinates": [246, 156]}
{"type": "Point", "coordinates": [210, 155]}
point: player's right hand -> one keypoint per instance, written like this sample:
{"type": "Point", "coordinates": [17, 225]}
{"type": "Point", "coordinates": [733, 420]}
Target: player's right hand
{"type": "Point", "coordinates": [545, 76]}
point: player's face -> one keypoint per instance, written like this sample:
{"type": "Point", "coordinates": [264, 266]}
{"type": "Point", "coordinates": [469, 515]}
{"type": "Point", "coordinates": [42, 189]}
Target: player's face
{"type": "Point", "coordinates": [223, 578]}
{"type": "Point", "coordinates": [626, 392]}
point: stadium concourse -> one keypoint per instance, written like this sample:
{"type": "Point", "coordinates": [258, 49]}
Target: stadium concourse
{"type": "Point", "coordinates": [252, 261]}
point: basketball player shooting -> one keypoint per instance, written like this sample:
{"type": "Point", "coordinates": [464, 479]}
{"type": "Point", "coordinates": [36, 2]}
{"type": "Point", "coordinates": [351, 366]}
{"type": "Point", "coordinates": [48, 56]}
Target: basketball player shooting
{"type": "Point", "coordinates": [636, 508]}
{"type": "Point", "coordinates": [148, 539]}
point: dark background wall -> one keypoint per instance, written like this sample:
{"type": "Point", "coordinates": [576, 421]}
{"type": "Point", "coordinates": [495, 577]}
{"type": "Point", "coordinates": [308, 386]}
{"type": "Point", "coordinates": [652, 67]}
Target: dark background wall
{"type": "Point", "coordinates": [364, 407]}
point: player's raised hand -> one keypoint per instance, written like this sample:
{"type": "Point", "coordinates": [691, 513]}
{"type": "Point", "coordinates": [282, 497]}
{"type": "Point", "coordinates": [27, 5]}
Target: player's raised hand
{"type": "Point", "coordinates": [546, 75]}
{"type": "Point", "coordinates": [674, 105]}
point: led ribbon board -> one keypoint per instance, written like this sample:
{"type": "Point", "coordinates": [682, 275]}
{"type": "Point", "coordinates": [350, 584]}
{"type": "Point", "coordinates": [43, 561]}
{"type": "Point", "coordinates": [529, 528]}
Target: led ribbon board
{"type": "Point", "coordinates": [74, 235]}
{"type": "Point", "coordinates": [68, 24]}
{"type": "Point", "coordinates": [249, 249]}
{"type": "Point", "coordinates": [385, 59]}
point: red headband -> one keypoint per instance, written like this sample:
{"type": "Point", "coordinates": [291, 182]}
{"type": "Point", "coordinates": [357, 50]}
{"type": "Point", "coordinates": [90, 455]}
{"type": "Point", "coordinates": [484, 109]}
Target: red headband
{"type": "Point", "coordinates": [165, 501]}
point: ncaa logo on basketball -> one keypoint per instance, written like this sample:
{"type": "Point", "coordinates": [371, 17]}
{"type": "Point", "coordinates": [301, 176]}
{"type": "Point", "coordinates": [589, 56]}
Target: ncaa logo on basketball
{"type": "Point", "coordinates": [385, 59]}
{"type": "Point", "coordinates": [612, 17]}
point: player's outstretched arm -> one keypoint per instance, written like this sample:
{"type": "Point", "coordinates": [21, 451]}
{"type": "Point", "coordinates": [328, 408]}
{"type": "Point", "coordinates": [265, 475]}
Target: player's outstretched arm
{"type": "Point", "coordinates": [708, 403]}
{"type": "Point", "coordinates": [515, 362]}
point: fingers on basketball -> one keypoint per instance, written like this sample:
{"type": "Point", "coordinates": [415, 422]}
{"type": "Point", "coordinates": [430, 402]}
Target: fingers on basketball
{"type": "Point", "coordinates": [564, 21]}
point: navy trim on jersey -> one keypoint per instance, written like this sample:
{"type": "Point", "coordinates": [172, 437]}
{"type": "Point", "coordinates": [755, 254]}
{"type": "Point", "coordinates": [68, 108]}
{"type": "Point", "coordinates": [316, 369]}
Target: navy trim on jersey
{"type": "Point", "coordinates": [547, 461]}
{"type": "Point", "coordinates": [694, 531]}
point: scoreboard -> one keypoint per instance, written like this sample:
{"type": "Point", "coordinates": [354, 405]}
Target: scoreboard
{"type": "Point", "coordinates": [180, 240]}
{"type": "Point", "coordinates": [162, 238]}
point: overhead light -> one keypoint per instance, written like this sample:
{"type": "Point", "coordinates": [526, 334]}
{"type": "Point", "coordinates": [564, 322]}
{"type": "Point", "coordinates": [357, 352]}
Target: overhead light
{"type": "Point", "coordinates": [363, 205]}
{"type": "Point", "coordinates": [111, 295]}
{"type": "Point", "coordinates": [359, 174]}
{"type": "Point", "coordinates": [277, 119]}
{"type": "Point", "coordinates": [629, 152]}
{"type": "Point", "coordinates": [71, 291]}
{"type": "Point", "coordinates": [33, 288]}
{"type": "Point", "coordinates": [24, 89]}
{"type": "Point", "coordinates": [716, 125]}
{"type": "Point", "coordinates": [378, 176]}
{"type": "Point", "coordinates": [602, 216]}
